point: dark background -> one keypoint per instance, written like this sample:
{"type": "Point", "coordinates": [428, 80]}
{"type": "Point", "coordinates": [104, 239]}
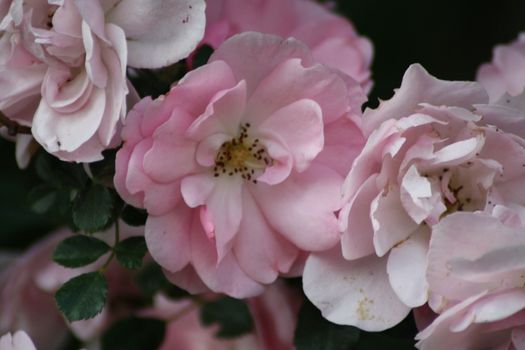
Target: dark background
{"type": "Point", "coordinates": [449, 38]}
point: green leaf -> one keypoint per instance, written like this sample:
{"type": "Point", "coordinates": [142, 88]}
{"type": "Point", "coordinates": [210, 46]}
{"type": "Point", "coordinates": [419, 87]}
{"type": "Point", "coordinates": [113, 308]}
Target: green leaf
{"type": "Point", "coordinates": [104, 170]}
{"type": "Point", "coordinates": [82, 297]}
{"type": "Point", "coordinates": [133, 216]}
{"type": "Point", "coordinates": [42, 198]}
{"type": "Point", "coordinates": [79, 251]}
{"type": "Point", "coordinates": [313, 332]}
{"type": "Point", "coordinates": [151, 280]}
{"type": "Point", "coordinates": [232, 315]}
{"type": "Point", "coordinates": [92, 208]}
{"type": "Point", "coordinates": [134, 333]}
{"type": "Point", "coordinates": [131, 251]}
{"type": "Point", "coordinates": [59, 174]}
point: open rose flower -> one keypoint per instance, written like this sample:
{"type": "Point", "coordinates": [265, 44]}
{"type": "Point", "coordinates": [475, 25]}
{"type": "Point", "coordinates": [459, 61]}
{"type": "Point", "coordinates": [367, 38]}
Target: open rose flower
{"type": "Point", "coordinates": [239, 165]}
{"type": "Point", "coordinates": [63, 64]}
{"type": "Point", "coordinates": [476, 267]}
{"type": "Point", "coordinates": [337, 45]}
{"type": "Point", "coordinates": [429, 153]}
{"type": "Point", "coordinates": [29, 282]}
{"type": "Point", "coordinates": [274, 313]}
{"type": "Point", "coordinates": [24, 305]}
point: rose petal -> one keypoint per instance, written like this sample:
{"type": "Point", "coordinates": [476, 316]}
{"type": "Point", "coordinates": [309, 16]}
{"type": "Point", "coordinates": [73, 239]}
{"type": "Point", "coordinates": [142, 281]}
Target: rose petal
{"type": "Point", "coordinates": [407, 266]}
{"type": "Point", "coordinates": [161, 32]}
{"type": "Point", "coordinates": [355, 293]}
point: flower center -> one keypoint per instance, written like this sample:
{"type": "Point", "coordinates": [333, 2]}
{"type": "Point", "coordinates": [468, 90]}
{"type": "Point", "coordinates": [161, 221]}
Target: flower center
{"type": "Point", "coordinates": [242, 156]}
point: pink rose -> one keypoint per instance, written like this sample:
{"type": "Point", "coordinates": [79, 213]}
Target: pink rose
{"type": "Point", "coordinates": [506, 72]}
{"type": "Point", "coordinates": [63, 68]}
{"type": "Point", "coordinates": [274, 313]}
{"type": "Point", "coordinates": [239, 166]}
{"type": "Point", "coordinates": [23, 305]}
{"type": "Point", "coordinates": [337, 45]}
{"type": "Point", "coordinates": [18, 341]}
{"type": "Point", "coordinates": [429, 153]}
{"type": "Point", "coordinates": [28, 284]}
{"type": "Point", "coordinates": [475, 266]}
{"type": "Point", "coordinates": [483, 321]}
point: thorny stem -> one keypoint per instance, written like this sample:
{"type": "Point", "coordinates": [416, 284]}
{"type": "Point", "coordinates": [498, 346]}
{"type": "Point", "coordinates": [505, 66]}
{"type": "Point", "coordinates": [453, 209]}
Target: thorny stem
{"type": "Point", "coordinates": [114, 249]}
{"type": "Point", "coordinates": [13, 128]}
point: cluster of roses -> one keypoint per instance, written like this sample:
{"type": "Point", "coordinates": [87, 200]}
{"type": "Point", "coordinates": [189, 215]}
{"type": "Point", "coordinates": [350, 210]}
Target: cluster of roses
{"type": "Point", "coordinates": [260, 164]}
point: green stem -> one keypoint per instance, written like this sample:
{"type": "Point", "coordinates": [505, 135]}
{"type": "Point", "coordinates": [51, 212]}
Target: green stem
{"type": "Point", "coordinates": [114, 249]}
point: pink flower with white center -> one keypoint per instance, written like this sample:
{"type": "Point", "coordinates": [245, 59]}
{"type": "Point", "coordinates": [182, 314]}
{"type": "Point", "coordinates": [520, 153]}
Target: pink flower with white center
{"type": "Point", "coordinates": [240, 165]}
{"type": "Point", "coordinates": [17, 341]}
{"type": "Point", "coordinates": [63, 64]}
{"type": "Point", "coordinates": [475, 265]}
{"type": "Point", "coordinates": [429, 153]}
{"type": "Point", "coordinates": [337, 45]}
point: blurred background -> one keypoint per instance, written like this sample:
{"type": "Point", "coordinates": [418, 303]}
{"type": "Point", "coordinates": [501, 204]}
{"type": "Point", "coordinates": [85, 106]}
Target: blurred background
{"type": "Point", "coordinates": [450, 38]}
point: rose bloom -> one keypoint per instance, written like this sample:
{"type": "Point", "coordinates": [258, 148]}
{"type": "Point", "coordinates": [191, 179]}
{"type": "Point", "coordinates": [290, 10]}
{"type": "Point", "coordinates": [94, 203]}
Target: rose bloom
{"type": "Point", "coordinates": [239, 166]}
{"type": "Point", "coordinates": [274, 314]}
{"type": "Point", "coordinates": [476, 266]}
{"type": "Point", "coordinates": [28, 284]}
{"type": "Point", "coordinates": [17, 341]}
{"type": "Point", "coordinates": [337, 45]}
{"type": "Point", "coordinates": [429, 153]}
{"type": "Point", "coordinates": [63, 64]}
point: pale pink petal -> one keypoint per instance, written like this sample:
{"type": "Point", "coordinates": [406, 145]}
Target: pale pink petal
{"type": "Point", "coordinates": [244, 51]}
{"type": "Point", "coordinates": [300, 126]}
{"type": "Point", "coordinates": [261, 252]}
{"type": "Point", "coordinates": [490, 77]}
{"type": "Point", "coordinates": [275, 313]}
{"type": "Point", "coordinates": [291, 81]}
{"type": "Point", "coordinates": [93, 14]}
{"type": "Point", "coordinates": [117, 87]}
{"type": "Point", "coordinates": [95, 68]}
{"type": "Point", "coordinates": [168, 238]}
{"type": "Point", "coordinates": [207, 149]}
{"type": "Point", "coordinates": [343, 143]}
{"type": "Point", "coordinates": [121, 173]}
{"type": "Point", "coordinates": [282, 162]}
{"type": "Point", "coordinates": [196, 189]}
{"type": "Point", "coordinates": [161, 32]}
{"type": "Point", "coordinates": [225, 207]}
{"type": "Point", "coordinates": [224, 276]}
{"type": "Point", "coordinates": [307, 229]}
{"type": "Point", "coordinates": [56, 132]}
{"type": "Point", "coordinates": [159, 199]}
{"type": "Point", "coordinates": [19, 83]}
{"type": "Point", "coordinates": [419, 86]}
{"type": "Point", "coordinates": [18, 341]}
{"type": "Point", "coordinates": [223, 114]}
{"type": "Point", "coordinates": [453, 245]}
{"type": "Point", "coordinates": [180, 162]}
{"type": "Point", "coordinates": [355, 293]}
{"type": "Point", "coordinates": [207, 80]}
{"type": "Point", "coordinates": [406, 268]}
{"type": "Point", "coordinates": [187, 279]}
{"type": "Point", "coordinates": [357, 239]}
{"type": "Point", "coordinates": [390, 221]}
